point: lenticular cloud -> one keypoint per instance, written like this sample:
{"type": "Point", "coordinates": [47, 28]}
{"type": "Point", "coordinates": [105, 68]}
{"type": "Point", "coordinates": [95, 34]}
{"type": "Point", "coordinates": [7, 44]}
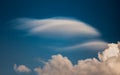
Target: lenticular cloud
{"type": "Point", "coordinates": [108, 64]}
{"type": "Point", "coordinates": [56, 27]}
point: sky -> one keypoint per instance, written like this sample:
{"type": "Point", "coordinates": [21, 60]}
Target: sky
{"type": "Point", "coordinates": [35, 31]}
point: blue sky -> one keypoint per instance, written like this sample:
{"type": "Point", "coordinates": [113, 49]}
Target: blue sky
{"type": "Point", "coordinates": [17, 47]}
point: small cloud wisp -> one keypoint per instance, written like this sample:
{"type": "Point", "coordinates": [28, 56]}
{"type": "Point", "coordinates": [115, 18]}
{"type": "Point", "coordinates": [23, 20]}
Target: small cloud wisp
{"type": "Point", "coordinates": [21, 68]}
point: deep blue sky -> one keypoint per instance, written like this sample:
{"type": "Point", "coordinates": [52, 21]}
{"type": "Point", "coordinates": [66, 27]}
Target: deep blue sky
{"type": "Point", "coordinates": [14, 48]}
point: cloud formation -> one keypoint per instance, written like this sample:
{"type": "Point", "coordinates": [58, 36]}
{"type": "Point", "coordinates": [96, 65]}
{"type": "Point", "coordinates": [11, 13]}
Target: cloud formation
{"type": "Point", "coordinates": [21, 68]}
{"type": "Point", "coordinates": [62, 28]}
{"type": "Point", "coordinates": [56, 27]}
{"type": "Point", "coordinates": [108, 64]}
{"type": "Point", "coordinates": [91, 45]}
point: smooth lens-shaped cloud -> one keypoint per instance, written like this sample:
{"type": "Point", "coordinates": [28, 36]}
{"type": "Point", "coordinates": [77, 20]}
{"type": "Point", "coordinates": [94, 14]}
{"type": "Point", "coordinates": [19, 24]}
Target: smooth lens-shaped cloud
{"type": "Point", "coordinates": [53, 27]}
{"type": "Point", "coordinates": [90, 45]}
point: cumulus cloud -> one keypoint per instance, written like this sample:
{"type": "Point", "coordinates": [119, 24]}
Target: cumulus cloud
{"type": "Point", "coordinates": [91, 45]}
{"type": "Point", "coordinates": [21, 68]}
{"type": "Point", "coordinates": [108, 64]}
{"type": "Point", "coordinates": [112, 51]}
{"type": "Point", "coordinates": [56, 27]}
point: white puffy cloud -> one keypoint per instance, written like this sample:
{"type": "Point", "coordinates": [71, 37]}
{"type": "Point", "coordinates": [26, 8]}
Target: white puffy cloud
{"type": "Point", "coordinates": [21, 68]}
{"type": "Point", "coordinates": [56, 27]}
{"type": "Point", "coordinates": [108, 64]}
{"type": "Point", "coordinates": [111, 51]}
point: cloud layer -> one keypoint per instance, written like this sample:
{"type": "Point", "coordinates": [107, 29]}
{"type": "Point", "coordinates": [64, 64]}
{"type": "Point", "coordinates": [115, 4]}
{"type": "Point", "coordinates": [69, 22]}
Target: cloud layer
{"type": "Point", "coordinates": [56, 27]}
{"type": "Point", "coordinates": [62, 28]}
{"type": "Point", "coordinates": [108, 64]}
{"type": "Point", "coordinates": [90, 45]}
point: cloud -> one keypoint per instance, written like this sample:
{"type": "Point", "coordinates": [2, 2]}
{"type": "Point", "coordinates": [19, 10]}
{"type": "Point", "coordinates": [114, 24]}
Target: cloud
{"type": "Point", "coordinates": [62, 28]}
{"type": "Point", "coordinates": [56, 27]}
{"type": "Point", "coordinates": [21, 68]}
{"type": "Point", "coordinates": [108, 64]}
{"type": "Point", "coordinates": [112, 51]}
{"type": "Point", "coordinates": [91, 45]}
